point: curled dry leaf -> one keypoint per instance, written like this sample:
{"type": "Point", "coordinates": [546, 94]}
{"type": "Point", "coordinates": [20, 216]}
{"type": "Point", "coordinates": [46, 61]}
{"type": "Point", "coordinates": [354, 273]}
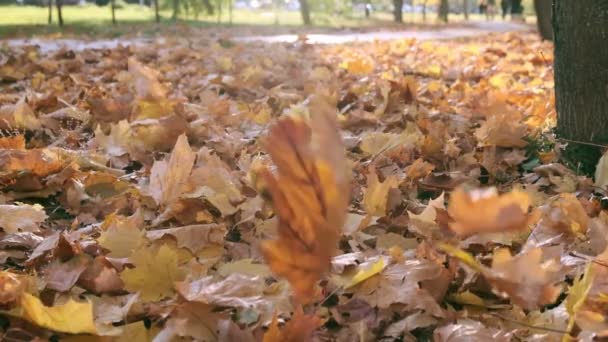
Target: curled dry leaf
{"type": "Point", "coordinates": [310, 194]}
{"type": "Point", "coordinates": [485, 211]}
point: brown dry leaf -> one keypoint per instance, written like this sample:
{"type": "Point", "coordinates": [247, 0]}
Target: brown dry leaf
{"type": "Point", "coordinates": [299, 329]}
{"type": "Point", "coordinates": [528, 279]}
{"type": "Point", "coordinates": [194, 237]}
{"type": "Point", "coordinates": [11, 289]}
{"type": "Point", "coordinates": [376, 196]}
{"type": "Point", "coordinates": [467, 330]}
{"type": "Point", "coordinates": [168, 177]}
{"type": "Point", "coordinates": [145, 81]}
{"type": "Point", "coordinates": [485, 211]}
{"type": "Point", "coordinates": [21, 218]}
{"type": "Point", "coordinates": [310, 194]}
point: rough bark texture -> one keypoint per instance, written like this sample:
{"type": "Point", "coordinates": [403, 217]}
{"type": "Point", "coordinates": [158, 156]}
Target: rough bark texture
{"type": "Point", "coordinates": [398, 11]}
{"type": "Point", "coordinates": [59, 15]}
{"type": "Point", "coordinates": [543, 18]}
{"type": "Point", "coordinates": [444, 9]}
{"type": "Point", "coordinates": [581, 69]}
{"type": "Point", "coordinates": [305, 11]}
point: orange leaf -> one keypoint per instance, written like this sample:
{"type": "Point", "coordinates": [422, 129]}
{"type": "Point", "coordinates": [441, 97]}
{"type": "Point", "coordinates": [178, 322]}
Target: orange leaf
{"type": "Point", "coordinates": [299, 329]}
{"type": "Point", "coordinates": [310, 194]}
{"type": "Point", "coordinates": [485, 211]}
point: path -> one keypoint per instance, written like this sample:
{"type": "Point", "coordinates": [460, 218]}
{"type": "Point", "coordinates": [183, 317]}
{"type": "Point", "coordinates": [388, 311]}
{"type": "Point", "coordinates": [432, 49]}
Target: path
{"type": "Point", "coordinates": [473, 28]}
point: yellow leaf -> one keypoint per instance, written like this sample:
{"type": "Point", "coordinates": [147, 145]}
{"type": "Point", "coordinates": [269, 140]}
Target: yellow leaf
{"type": "Point", "coordinates": [367, 273]}
{"type": "Point", "coordinates": [465, 257]}
{"type": "Point", "coordinates": [467, 298]}
{"type": "Point", "coordinates": [72, 317]}
{"type": "Point", "coordinates": [154, 273]}
{"type": "Point", "coordinates": [376, 195]}
{"type": "Point", "coordinates": [577, 295]}
{"type": "Point", "coordinates": [601, 172]}
{"type": "Point", "coordinates": [121, 235]}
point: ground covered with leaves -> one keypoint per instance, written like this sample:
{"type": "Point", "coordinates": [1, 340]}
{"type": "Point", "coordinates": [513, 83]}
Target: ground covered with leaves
{"type": "Point", "coordinates": [208, 190]}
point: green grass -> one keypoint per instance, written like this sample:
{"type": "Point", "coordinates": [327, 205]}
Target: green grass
{"type": "Point", "coordinates": [27, 21]}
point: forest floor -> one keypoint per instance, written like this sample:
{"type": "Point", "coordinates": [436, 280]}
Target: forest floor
{"type": "Point", "coordinates": [211, 189]}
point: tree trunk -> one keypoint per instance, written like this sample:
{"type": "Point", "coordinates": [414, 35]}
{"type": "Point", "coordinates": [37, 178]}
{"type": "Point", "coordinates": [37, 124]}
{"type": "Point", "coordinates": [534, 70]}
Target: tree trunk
{"type": "Point", "coordinates": [208, 7]}
{"type": "Point", "coordinates": [50, 11]}
{"type": "Point", "coordinates": [465, 9]}
{"type": "Point", "coordinates": [113, 6]}
{"type": "Point", "coordinates": [581, 69]}
{"type": "Point", "coordinates": [444, 9]}
{"type": "Point", "coordinates": [398, 11]}
{"type": "Point", "coordinates": [543, 18]}
{"type": "Point", "coordinates": [59, 15]}
{"type": "Point", "coordinates": [424, 11]}
{"type": "Point", "coordinates": [175, 9]}
{"type": "Point", "coordinates": [230, 11]}
{"type": "Point", "coordinates": [305, 11]}
{"type": "Point", "coordinates": [156, 11]}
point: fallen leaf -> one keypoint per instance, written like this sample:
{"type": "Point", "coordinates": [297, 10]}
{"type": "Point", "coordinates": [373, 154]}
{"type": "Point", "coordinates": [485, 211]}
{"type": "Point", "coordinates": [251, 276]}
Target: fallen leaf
{"type": "Point", "coordinates": [21, 218]}
{"type": "Point", "coordinates": [501, 213]}
{"type": "Point", "coordinates": [154, 274]}
{"type": "Point", "coordinates": [72, 317]}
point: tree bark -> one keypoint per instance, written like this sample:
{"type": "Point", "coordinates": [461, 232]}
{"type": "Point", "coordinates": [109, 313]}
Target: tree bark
{"type": "Point", "coordinates": [444, 9]}
{"type": "Point", "coordinates": [305, 11]}
{"type": "Point", "coordinates": [59, 15]}
{"type": "Point", "coordinates": [50, 11]}
{"type": "Point", "coordinates": [581, 69]}
{"type": "Point", "coordinates": [113, 6]}
{"type": "Point", "coordinates": [543, 18]}
{"type": "Point", "coordinates": [157, 16]}
{"type": "Point", "coordinates": [398, 11]}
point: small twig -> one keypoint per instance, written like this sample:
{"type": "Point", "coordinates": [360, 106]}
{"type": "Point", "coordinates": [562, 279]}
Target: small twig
{"type": "Point", "coordinates": [584, 143]}
{"type": "Point", "coordinates": [339, 288]}
{"type": "Point", "coordinates": [554, 330]}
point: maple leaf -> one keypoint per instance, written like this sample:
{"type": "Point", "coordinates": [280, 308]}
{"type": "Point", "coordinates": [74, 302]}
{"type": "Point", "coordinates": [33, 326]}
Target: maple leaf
{"type": "Point", "coordinates": [501, 213]}
{"type": "Point", "coordinates": [376, 196]}
{"type": "Point", "coordinates": [154, 274]}
{"type": "Point", "coordinates": [72, 317]}
{"type": "Point", "coordinates": [299, 329]}
{"type": "Point", "coordinates": [310, 193]}
{"type": "Point", "coordinates": [121, 235]}
{"type": "Point", "coordinates": [168, 177]}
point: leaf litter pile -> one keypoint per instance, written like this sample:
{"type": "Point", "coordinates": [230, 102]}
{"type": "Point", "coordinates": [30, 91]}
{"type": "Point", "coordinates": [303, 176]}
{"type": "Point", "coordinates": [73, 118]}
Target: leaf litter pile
{"type": "Point", "coordinates": [209, 190]}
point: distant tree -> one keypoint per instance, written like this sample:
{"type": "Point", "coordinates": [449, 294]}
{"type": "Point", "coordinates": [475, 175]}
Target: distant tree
{"type": "Point", "coordinates": [113, 7]}
{"type": "Point", "coordinates": [444, 10]}
{"type": "Point", "coordinates": [465, 9]}
{"type": "Point", "coordinates": [398, 11]}
{"type": "Point", "coordinates": [543, 18]}
{"type": "Point", "coordinates": [305, 11]}
{"type": "Point", "coordinates": [208, 7]}
{"type": "Point", "coordinates": [58, 4]}
{"type": "Point", "coordinates": [50, 11]}
{"type": "Point", "coordinates": [175, 9]}
{"type": "Point", "coordinates": [157, 16]}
